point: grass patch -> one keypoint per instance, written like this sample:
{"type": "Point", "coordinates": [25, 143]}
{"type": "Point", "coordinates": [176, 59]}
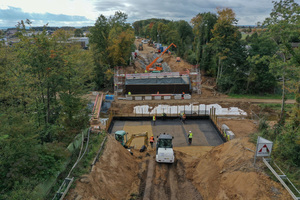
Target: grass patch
{"type": "Point", "coordinates": [244, 35]}
{"type": "Point", "coordinates": [291, 170]}
{"type": "Point", "coordinates": [265, 96]}
{"type": "Point", "coordinates": [83, 167]}
{"type": "Point", "coordinates": [276, 106]}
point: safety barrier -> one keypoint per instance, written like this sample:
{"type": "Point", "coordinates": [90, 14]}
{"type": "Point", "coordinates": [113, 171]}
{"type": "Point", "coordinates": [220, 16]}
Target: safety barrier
{"type": "Point", "coordinates": [281, 177]}
{"type": "Point", "coordinates": [44, 188]}
{"type": "Point", "coordinates": [64, 188]}
{"type": "Point", "coordinates": [97, 108]}
{"type": "Point", "coordinates": [149, 97]}
{"type": "Point", "coordinates": [98, 154]}
{"type": "Point", "coordinates": [214, 119]}
{"type": "Point", "coordinates": [110, 118]}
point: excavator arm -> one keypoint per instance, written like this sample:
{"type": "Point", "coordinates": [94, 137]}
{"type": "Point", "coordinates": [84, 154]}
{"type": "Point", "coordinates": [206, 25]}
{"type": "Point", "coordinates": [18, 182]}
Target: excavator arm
{"type": "Point", "coordinates": [133, 136]}
{"type": "Point", "coordinates": [154, 61]}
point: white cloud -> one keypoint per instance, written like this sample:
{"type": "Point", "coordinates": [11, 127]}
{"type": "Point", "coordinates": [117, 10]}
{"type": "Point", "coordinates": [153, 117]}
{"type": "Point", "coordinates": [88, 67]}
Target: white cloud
{"type": "Point", "coordinates": [67, 7]}
{"type": "Point", "coordinates": [247, 12]}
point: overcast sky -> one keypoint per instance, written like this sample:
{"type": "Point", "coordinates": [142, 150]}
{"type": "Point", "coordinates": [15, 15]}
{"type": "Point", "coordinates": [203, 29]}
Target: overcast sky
{"type": "Point", "coordinates": [85, 12]}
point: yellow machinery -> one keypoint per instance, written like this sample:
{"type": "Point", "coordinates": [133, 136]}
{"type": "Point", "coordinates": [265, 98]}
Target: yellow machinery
{"type": "Point", "coordinates": [121, 136]}
{"type": "Point", "coordinates": [141, 48]}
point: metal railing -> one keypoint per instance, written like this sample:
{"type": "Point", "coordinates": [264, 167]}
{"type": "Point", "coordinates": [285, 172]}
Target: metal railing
{"type": "Point", "coordinates": [281, 178]}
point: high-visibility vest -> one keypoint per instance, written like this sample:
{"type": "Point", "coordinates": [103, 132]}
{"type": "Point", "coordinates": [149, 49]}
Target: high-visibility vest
{"type": "Point", "coordinates": [129, 93]}
{"type": "Point", "coordinates": [154, 118]}
{"type": "Point", "coordinates": [191, 135]}
{"type": "Point", "coordinates": [151, 139]}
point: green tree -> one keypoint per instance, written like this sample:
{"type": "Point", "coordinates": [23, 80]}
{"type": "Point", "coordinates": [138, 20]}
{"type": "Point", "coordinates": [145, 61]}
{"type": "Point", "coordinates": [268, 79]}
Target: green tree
{"type": "Point", "coordinates": [43, 80]}
{"type": "Point", "coordinates": [203, 23]}
{"type": "Point", "coordinates": [119, 42]}
{"type": "Point", "coordinates": [99, 44]}
{"type": "Point", "coordinates": [230, 52]}
{"type": "Point", "coordinates": [78, 32]}
{"type": "Point", "coordinates": [186, 36]}
{"type": "Point", "coordinates": [283, 24]}
{"type": "Point", "coordinates": [111, 41]}
{"type": "Point", "coordinates": [260, 80]}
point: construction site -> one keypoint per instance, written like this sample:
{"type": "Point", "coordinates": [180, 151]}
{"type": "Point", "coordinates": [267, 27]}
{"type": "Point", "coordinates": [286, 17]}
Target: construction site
{"type": "Point", "coordinates": [201, 147]}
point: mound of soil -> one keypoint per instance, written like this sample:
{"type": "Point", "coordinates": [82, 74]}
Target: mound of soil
{"type": "Point", "coordinates": [227, 172]}
{"type": "Point", "coordinates": [115, 176]}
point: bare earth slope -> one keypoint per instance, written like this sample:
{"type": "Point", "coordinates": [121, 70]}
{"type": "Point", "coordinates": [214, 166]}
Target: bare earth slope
{"type": "Point", "coordinates": [114, 176]}
{"type": "Point", "coordinates": [227, 172]}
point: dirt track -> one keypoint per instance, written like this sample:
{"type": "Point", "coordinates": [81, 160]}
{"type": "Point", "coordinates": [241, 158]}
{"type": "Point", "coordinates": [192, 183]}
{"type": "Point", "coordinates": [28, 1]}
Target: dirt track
{"type": "Point", "coordinates": [217, 173]}
{"type": "Point", "coordinates": [168, 181]}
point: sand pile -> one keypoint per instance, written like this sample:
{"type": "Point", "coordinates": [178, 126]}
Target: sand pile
{"type": "Point", "coordinates": [227, 172]}
{"type": "Point", "coordinates": [115, 176]}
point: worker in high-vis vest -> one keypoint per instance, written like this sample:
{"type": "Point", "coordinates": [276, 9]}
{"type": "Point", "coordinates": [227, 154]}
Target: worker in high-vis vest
{"type": "Point", "coordinates": [151, 141]}
{"type": "Point", "coordinates": [154, 120]}
{"type": "Point", "coordinates": [183, 118]}
{"type": "Point", "coordinates": [129, 93]}
{"type": "Point", "coordinates": [190, 136]}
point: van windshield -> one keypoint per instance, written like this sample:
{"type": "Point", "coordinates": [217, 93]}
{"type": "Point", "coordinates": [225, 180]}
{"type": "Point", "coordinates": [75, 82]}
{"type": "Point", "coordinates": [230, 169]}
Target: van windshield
{"type": "Point", "coordinates": [164, 143]}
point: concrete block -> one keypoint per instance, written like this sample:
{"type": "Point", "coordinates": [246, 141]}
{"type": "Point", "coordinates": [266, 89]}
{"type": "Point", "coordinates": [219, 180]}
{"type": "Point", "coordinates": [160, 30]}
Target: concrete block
{"type": "Point", "coordinates": [157, 97]}
{"type": "Point", "coordinates": [148, 98]}
{"type": "Point", "coordinates": [187, 96]}
{"type": "Point", "coordinates": [178, 96]}
{"type": "Point", "coordinates": [167, 97]}
{"type": "Point", "coordinates": [129, 98]}
{"type": "Point", "coordinates": [138, 98]}
{"type": "Point", "coordinates": [231, 134]}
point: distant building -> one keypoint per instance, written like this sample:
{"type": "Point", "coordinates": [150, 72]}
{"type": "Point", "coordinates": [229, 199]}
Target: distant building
{"type": "Point", "coordinates": [84, 41]}
{"type": "Point", "coordinates": [11, 31]}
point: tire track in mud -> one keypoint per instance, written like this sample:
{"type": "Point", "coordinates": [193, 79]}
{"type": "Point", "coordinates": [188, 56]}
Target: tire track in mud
{"type": "Point", "coordinates": [167, 181]}
{"type": "Point", "coordinates": [149, 178]}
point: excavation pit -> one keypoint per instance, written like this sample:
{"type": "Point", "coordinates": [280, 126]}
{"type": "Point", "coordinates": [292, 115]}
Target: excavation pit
{"type": "Point", "coordinates": [203, 128]}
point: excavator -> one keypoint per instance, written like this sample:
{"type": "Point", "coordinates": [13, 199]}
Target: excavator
{"type": "Point", "coordinates": [121, 136]}
{"type": "Point", "coordinates": [158, 67]}
{"type": "Point", "coordinates": [141, 48]}
{"type": "Point", "coordinates": [150, 43]}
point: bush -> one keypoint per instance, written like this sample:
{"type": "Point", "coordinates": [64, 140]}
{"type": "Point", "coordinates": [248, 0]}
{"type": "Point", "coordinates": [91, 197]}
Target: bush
{"type": "Point", "coordinates": [191, 58]}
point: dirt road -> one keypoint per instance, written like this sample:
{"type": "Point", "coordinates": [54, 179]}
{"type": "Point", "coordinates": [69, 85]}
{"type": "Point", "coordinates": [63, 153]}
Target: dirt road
{"type": "Point", "coordinates": [168, 181]}
{"type": "Point", "coordinates": [214, 173]}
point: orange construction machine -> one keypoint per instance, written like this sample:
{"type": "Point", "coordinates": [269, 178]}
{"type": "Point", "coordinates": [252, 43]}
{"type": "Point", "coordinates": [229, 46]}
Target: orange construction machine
{"type": "Point", "coordinates": [158, 67]}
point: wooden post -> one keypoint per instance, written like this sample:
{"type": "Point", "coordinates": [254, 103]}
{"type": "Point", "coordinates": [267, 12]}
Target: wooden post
{"type": "Point", "coordinates": [215, 114]}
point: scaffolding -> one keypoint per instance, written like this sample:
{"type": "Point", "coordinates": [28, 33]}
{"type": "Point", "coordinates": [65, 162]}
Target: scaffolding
{"type": "Point", "coordinates": [195, 76]}
{"type": "Point", "coordinates": [119, 81]}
